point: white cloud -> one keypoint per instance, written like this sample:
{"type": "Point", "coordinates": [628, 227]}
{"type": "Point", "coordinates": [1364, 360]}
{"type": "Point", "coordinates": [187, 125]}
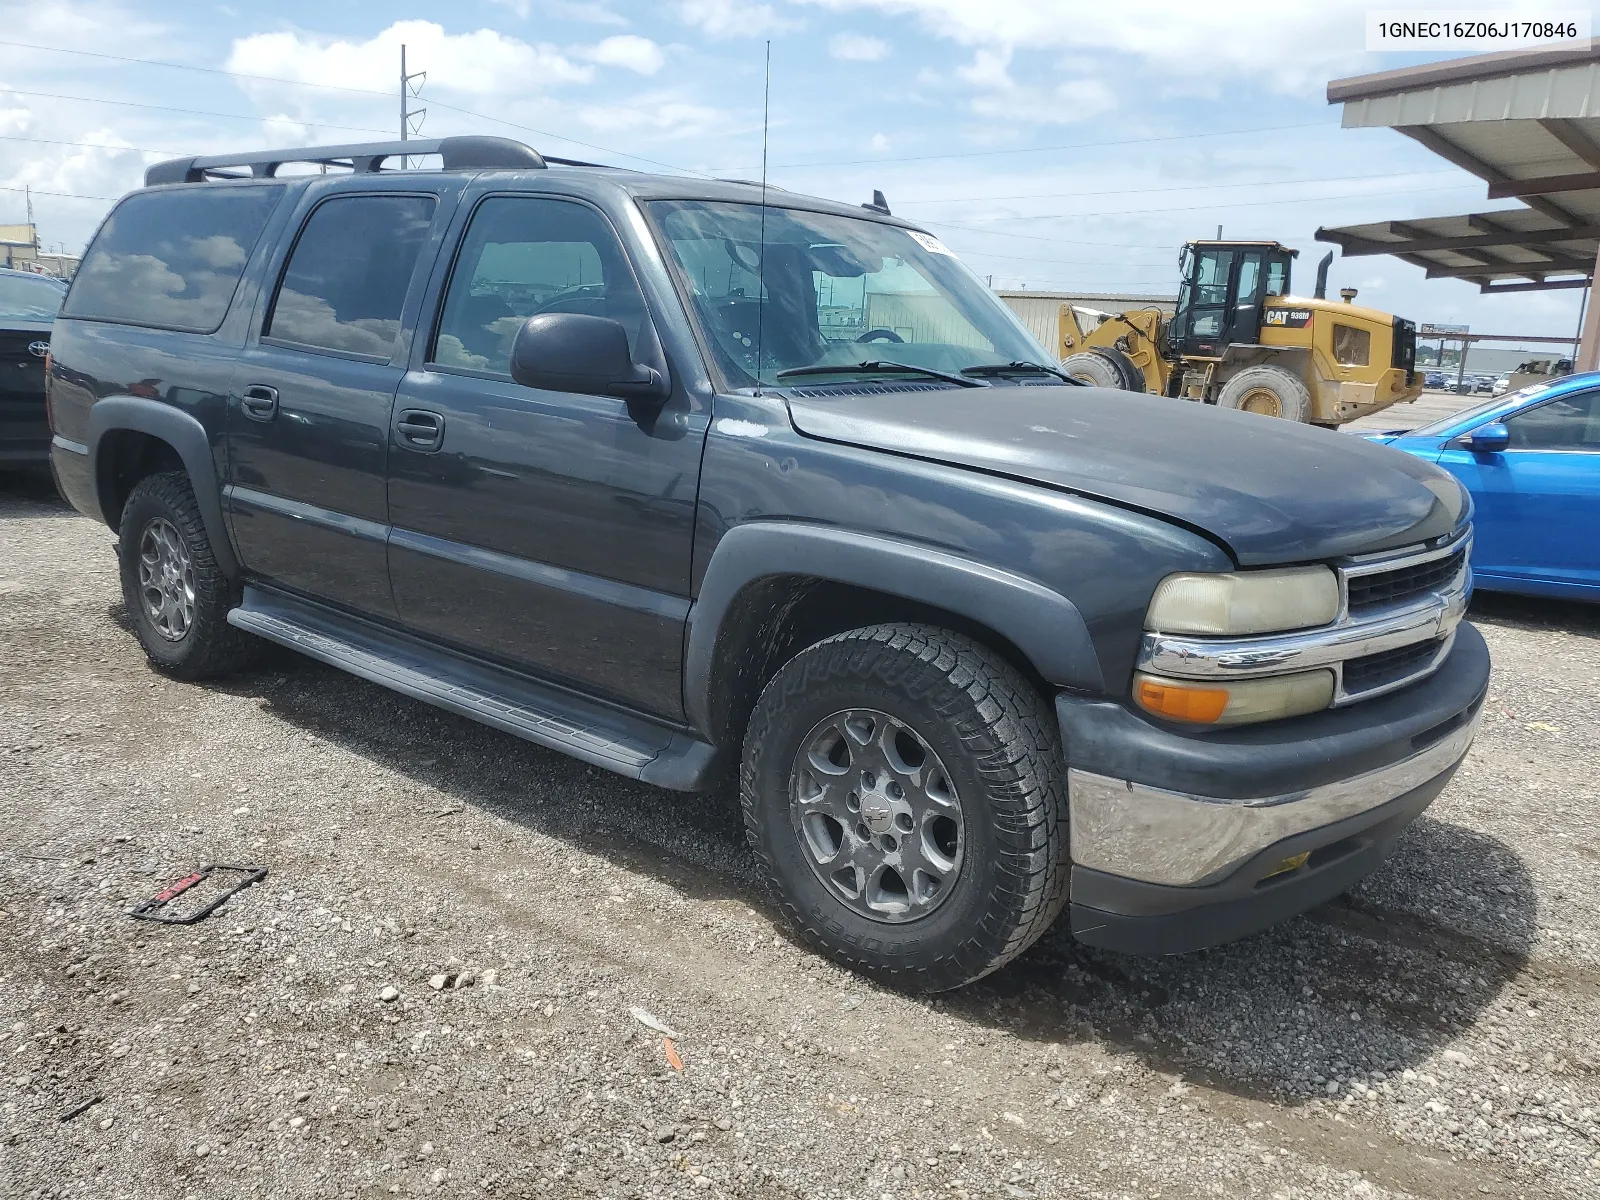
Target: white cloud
{"type": "Point", "coordinates": [989, 69]}
{"type": "Point", "coordinates": [856, 47]}
{"type": "Point", "coordinates": [106, 27]}
{"type": "Point", "coordinates": [593, 11]}
{"type": "Point", "coordinates": [663, 116]}
{"type": "Point", "coordinates": [635, 53]}
{"type": "Point", "coordinates": [734, 18]}
{"type": "Point", "coordinates": [483, 62]}
{"type": "Point", "coordinates": [1284, 47]}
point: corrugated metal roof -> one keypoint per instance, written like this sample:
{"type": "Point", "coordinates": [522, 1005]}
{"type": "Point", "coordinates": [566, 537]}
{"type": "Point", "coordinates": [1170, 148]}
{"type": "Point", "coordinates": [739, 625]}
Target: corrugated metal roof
{"type": "Point", "coordinates": [1511, 244]}
{"type": "Point", "coordinates": [1528, 124]}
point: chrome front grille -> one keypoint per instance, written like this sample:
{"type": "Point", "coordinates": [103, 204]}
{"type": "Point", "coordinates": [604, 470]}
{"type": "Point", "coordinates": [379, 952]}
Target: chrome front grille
{"type": "Point", "coordinates": [1370, 671]}
{"type": "Point", "coordinates": [1396, 585]}
{"type": "Point", "coordinates": [1397, 619]}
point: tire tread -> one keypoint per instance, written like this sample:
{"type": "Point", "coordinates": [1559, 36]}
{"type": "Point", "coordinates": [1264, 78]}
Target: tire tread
{"type": "Point", "coordinates": [220, 649]}
{"type": "Point", "coordinates": [1011, 731]}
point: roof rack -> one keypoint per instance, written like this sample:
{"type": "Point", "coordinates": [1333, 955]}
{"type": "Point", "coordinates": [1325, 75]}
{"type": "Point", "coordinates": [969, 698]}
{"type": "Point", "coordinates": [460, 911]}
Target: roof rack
{"type": "Point", "coordinates": [470, 153]}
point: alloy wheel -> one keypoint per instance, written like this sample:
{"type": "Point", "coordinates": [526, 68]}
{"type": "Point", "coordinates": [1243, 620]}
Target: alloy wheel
{"type": "Point", "coordinates": [166, 579]}
{"type": "Point", "coordinates": [878, 818]}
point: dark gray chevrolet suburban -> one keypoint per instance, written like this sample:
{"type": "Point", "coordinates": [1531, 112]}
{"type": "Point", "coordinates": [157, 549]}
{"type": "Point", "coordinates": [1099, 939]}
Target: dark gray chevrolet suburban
{"type": "Point", "coordinates": [691, 479]}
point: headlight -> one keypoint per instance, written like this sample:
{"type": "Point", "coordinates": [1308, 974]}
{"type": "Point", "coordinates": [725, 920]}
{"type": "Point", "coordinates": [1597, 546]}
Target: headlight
{"type": "Point", "coordinates": [1242, 602]}
{"type": "Point", "coordinates": [1234, 703]}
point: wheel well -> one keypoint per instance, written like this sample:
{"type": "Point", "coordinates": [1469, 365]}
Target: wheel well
{"type": "Point", "coordinates": [773, 619]}
{"type": "Point", "coordinates": [126, 457]}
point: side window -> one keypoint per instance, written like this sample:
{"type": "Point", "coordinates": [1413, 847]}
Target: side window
{"type": "Point", "coordinates": [1567, 423]}
{"type": "Point", "coordinates": [1277, 277]}
{"type": "Point", "coordinates": [525, 255]}
{"type": "Point", "coordinates": [347, 276]}
{"type": "Point", "coordinates": [1250, 279]}
{"type": "Point", "coordinates": [172, 258]}
{"type": "Point", "coordinates": [1213, 278]}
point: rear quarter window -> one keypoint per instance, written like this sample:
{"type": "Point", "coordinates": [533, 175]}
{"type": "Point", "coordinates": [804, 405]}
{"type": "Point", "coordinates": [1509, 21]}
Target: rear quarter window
{"type": "Point", "coordinates": [172, 259]}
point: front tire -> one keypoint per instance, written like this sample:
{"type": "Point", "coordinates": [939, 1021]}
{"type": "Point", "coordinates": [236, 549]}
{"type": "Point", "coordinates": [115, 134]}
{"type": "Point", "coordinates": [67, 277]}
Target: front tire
{"type": "Point", "coordinates": [1106, 367]}
{"type": "Point", "coordinates": [176, 595]}
{"type": "Point", "coordinates": [1267, 391]}
{"type": "Point", "coordinates": [903, 791]}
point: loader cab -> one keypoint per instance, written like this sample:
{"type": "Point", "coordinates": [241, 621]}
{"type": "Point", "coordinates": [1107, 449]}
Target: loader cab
{"type": "Point", "coordinates": [1223, 293]}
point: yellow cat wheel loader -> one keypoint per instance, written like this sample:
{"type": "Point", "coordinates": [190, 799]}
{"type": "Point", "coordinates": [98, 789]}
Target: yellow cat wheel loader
{"type": "Point", "coordinates": [1239, 340]}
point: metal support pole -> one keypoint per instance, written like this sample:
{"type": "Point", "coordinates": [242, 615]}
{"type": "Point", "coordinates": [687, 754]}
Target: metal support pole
{"type": "Point", "coordinates": [1461, 365]}
{"type": "Point", "coordinates": [1583, 309]}
{"type": "Point", "coordinates": [1588, 356]}
{"type": "Point", "coordinates": [407, 114]}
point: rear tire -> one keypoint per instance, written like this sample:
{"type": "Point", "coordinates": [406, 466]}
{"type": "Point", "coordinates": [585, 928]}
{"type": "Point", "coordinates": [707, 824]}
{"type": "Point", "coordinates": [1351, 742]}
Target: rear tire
{"type": "Point", "coordinates": [1267, 391]}
{"type": "Point", "coordinates": [951, 764]}
{"type": "Point", "coordinates": [1107, 368]}
{"type": "Point", "coordinates": [176, 595]}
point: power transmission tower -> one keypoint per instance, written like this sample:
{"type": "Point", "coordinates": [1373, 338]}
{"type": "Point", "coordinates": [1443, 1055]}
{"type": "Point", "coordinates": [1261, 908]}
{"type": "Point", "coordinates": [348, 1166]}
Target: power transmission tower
{"type": "Point", "coordinates": [410, 118]}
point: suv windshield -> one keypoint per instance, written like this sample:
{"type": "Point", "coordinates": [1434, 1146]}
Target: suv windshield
{"type": "Point", "coordinates": [25, 298]}
{"type": "Point", "coordinates": [838, 291]}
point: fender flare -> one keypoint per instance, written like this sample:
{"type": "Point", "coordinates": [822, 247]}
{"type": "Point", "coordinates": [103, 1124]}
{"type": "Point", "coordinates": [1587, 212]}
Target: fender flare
{"type": "Point", "coordinates": [184, 434]}
{"type": "Point", "coordinates": [1042, 623]}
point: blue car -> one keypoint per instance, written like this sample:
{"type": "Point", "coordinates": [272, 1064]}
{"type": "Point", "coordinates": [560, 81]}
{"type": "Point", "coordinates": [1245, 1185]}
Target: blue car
{"type": "Point", "coordinates": [1532, 463]}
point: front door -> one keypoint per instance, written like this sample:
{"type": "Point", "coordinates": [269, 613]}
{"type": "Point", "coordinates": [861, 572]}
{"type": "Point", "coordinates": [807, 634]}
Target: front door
{"type": "Point", "coordinates": [1244, 327]}
{"type": "Point", "coordinates": [308, 411]}
{"type": "Point", "coordinates": [547, 530]}
{"type": "Point", "coordinates": [1538, 501]}
{"type": "Point", "coordinates": [1204, 304]}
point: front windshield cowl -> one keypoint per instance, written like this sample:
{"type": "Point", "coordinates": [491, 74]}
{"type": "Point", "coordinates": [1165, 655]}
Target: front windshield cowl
{"type": "Point", "coordinates": [819, 290]}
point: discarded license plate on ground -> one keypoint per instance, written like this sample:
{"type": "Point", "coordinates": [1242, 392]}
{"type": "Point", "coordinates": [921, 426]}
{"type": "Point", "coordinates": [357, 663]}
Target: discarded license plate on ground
{"type": "Point", "coordinates": [155, 908]}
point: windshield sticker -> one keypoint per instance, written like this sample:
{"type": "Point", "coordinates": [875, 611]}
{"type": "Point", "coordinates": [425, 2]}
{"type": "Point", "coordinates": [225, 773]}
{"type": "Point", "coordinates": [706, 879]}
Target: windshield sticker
{"type": "Point", "coordinates": [929, 243]}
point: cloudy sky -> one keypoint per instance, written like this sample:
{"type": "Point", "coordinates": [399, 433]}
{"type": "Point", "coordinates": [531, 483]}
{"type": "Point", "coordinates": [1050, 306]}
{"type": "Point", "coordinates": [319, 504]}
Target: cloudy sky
{"type": "Point", "coordinates": [1053, 143]}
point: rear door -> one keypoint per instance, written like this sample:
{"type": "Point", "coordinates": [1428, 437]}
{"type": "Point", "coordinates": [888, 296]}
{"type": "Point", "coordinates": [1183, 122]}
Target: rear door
{"type": "Point", "coordinates": [1538, 501]}
{"type": "Point", "coordinates": [308, 410]}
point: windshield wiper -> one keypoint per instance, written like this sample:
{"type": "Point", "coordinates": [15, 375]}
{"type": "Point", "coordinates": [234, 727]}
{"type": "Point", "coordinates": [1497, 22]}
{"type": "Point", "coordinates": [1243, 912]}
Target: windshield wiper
{"type": "Point", "coordinates": [987, 369]}
{"type": "Point", "coordinates": [879, 368]}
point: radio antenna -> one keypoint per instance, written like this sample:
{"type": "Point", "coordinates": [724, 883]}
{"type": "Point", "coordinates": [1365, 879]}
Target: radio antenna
{"type": "Point", "coordinates": [761, 261]}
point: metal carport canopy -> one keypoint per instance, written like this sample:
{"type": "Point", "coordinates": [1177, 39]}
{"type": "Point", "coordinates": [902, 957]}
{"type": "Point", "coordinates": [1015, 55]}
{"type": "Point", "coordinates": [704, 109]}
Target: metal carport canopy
{"type": "Point", "coordinates": [1526, 122]}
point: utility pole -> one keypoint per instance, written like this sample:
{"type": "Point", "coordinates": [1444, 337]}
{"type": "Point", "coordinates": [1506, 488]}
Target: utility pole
{"type": "Point", "coordinates": [33, 230]}
{"type": "Point", "coordinates": [407, 113]}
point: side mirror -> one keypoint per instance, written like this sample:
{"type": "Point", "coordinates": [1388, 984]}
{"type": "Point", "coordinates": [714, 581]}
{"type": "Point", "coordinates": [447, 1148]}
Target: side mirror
{"type": "Point", "coordinates": [1489, 439]}
{"type": "Point", "coordinates": [573, 352]}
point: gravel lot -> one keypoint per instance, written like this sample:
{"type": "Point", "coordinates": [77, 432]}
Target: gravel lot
{"type": "Point", "coordinates": [1436, 1033]}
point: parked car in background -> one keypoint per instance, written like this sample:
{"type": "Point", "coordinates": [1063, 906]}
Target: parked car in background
{"type": "Point", "coordinates": [1434, 379]}
{"type": "Point", "coordinates": [28, 307]}
{"type": "Point", "coordinates": [1501, 386]}
{"type": "Point", "coordinates": [1531, 461]}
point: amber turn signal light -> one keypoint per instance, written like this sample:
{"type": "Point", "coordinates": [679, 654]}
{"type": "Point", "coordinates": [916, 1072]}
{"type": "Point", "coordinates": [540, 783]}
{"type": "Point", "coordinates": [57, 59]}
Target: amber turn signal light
{"type": "Point", "coordinates": [1181, 703]}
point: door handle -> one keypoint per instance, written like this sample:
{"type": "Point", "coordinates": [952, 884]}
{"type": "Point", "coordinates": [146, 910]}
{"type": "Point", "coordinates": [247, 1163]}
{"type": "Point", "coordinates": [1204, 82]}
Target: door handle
{"type": "Point", "coordinates": [260, 403]}
{"type": "Point", "coordinates": [420, 430]}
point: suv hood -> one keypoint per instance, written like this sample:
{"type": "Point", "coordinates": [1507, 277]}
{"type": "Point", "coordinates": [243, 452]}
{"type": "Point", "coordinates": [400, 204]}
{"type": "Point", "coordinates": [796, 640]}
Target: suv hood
{"type": "Point", "coordinates": [1270, 490]}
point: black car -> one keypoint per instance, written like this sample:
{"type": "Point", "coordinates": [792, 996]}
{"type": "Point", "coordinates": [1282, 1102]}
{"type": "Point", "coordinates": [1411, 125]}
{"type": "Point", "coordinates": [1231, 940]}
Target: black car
{"type": "Point", "coordinates": [28, 307]}
{"type": "Point", "coordinates": [698, 482]}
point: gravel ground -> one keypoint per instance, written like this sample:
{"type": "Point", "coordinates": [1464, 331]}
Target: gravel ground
{"type": "Point", "coordinates": [432, 992]}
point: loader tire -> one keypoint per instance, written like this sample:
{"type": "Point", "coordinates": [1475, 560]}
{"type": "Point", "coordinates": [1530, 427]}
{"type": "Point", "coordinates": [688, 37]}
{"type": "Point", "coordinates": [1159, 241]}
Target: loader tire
{"type": "Point", "coordinates": [1107, 368]}
{"type": "Point", "coordinates": [1268, 391]}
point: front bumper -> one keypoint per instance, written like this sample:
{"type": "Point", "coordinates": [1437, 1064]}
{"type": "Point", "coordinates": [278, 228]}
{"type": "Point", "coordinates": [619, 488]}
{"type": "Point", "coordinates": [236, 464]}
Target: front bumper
{"type": "Point", "coordinates": [1177, 837]}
